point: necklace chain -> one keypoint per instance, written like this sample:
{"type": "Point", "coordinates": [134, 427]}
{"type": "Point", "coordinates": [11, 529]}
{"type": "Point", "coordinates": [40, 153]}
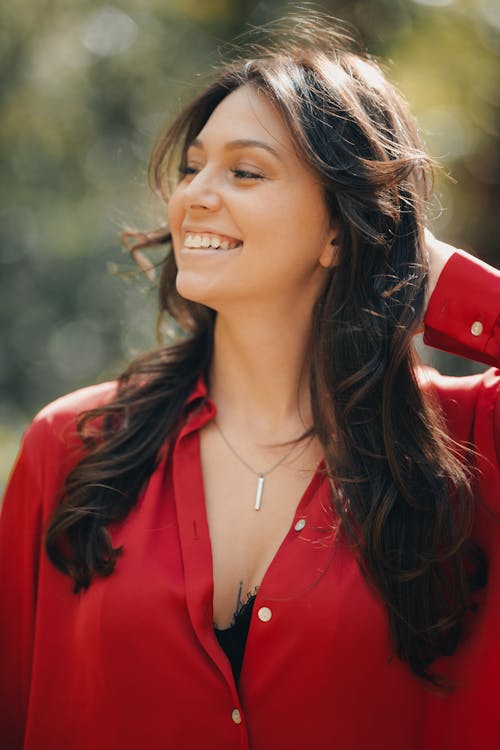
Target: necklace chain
{"type": "Point", "coordinates": [242, 460]}
{"type": "Point", "coordinates": [260, 474]}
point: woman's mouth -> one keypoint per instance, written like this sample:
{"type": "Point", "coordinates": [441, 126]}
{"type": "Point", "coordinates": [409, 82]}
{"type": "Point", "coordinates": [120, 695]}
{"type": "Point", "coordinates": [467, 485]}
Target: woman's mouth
{"type": "Point", "coordinates": [208, 240]}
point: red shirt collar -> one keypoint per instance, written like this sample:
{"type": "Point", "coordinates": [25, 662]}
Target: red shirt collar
{"type": "Point", "coordinates": [198, 408]}
{"type": "Point", "coordinates": [199, 390]}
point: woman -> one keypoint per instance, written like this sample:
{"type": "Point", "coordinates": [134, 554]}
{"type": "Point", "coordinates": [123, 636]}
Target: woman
{"type": "Point", "coordinates": [282, 483]}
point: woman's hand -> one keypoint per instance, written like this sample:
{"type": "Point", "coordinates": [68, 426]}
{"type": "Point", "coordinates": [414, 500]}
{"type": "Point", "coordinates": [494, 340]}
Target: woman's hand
{"type": "Point", "coordinates": [438, 254]}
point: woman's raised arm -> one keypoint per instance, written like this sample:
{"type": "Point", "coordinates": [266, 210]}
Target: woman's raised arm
{"type": "Point", "coordinates": [463, 308]}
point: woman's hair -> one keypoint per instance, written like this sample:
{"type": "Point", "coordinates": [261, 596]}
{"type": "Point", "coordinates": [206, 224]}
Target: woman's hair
{"type": "Point", "coordinates": [399, 484]}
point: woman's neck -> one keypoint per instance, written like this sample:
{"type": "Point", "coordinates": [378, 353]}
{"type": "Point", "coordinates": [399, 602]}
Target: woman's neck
{"type": "Point", "coordinates": [259, 378]}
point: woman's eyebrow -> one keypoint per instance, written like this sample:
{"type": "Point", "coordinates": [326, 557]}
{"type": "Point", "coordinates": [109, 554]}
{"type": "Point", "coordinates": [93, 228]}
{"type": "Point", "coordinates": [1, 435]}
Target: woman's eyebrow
{"type": "Point", "coordinates": [242, 143]}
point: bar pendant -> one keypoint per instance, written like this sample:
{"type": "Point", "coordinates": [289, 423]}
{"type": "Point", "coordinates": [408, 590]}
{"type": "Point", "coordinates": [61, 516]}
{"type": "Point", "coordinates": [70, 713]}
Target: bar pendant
{"type": "Point", "coordinates": [258, 496]}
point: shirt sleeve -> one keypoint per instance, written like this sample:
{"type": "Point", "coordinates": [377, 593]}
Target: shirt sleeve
{"type": "Point", "coordinates": [20, 543]}
{"type": "Point", "coordinates": [463, 315]}
{"type": "Point", "coordinates": [50, 448]}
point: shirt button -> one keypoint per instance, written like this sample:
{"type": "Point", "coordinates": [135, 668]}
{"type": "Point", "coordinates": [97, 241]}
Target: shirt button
{"type": "Point", "coordinates": [300, 524]}
{"type": "Point", "coordinates": [476, 328]}
{"type": "Point", "coordinates": [236, 716]}
{"type": "Point", "coordinates": [264, 614]}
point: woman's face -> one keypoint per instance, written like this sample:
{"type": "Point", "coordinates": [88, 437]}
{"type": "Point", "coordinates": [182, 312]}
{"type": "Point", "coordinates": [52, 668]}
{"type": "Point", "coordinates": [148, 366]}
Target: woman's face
{"type": "Point", "coordinates": [248, 218]}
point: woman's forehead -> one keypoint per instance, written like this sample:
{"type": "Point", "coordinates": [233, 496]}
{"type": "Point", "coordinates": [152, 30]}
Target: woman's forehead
{"type": "Point", "coordinates": [245, 117]}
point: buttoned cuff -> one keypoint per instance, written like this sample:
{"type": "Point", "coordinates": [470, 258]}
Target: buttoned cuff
{"type": "Point", "coordinates": [463, 315]}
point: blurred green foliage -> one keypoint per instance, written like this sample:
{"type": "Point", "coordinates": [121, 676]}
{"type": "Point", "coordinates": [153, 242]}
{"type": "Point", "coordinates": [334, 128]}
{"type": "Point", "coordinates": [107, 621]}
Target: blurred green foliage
{"type": "Point", "coordinates": [85, 89]}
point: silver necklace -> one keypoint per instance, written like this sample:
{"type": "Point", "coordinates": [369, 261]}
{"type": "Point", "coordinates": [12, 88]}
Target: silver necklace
{"type": "Point", "coordinates": [260, 474]}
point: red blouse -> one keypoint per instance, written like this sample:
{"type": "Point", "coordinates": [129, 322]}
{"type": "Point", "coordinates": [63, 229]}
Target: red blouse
{"type": "Point", "coordinates": [134, 662]}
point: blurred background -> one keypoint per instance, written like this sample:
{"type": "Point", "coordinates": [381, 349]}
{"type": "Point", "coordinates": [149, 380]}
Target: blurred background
{"type": "Point", "coordinates": [85, 88]}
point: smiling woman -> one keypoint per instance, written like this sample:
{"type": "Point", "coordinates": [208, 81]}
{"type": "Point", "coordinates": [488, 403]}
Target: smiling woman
{"type": "Point", "coordinates": [277, 529]}
{"type": "Point", "coordinates": [236, 189]}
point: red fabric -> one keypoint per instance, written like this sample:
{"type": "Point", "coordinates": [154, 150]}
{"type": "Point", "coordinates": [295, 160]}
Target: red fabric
{"type": "Point", "coordinates": [134, 662]}
{"type": "Point", "coordinates": [468, 293]}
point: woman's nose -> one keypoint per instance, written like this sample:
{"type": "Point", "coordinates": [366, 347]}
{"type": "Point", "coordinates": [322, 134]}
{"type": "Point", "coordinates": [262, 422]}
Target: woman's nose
{"type": "Point", "coordinates": [202, 192]}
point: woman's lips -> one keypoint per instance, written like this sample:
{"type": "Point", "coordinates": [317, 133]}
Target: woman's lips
{"type": "Point", "coordinates": [210, 240]}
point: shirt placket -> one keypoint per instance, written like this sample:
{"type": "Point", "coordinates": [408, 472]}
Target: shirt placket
{"type": "Point", "coordinates": [302, 558]}
{"type": "Point", "coordinates": [197, 557]}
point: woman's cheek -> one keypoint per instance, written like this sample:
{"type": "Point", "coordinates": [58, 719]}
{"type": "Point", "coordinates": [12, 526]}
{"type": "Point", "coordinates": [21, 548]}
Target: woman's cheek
{"type": "Point", "coordinates": [174, 213]}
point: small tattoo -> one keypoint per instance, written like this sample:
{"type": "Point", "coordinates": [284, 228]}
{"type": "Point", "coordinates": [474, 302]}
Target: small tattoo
{"type": "Point", "coordinates": [238, 598]}
{"type": "Point", "coordinates": [241, 602]}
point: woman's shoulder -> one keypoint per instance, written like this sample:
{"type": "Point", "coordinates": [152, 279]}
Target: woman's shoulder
{"type": "Point", "coordinates": [456, 386]}
{"type": "Point", "coordinates": [464, 387]}
{"type": "Point", "coordinates": [469, 402]}
{"type": "Point", "coordinates": [54, 430]}
{"type": "Point", "coordinates": [71, 405]}
{"type": "Point", "coordinates": [50, 447]}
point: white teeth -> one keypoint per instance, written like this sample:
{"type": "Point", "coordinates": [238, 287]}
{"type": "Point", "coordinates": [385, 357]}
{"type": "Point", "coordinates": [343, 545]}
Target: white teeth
{"type": "Point", "coordinates": [206, 241]}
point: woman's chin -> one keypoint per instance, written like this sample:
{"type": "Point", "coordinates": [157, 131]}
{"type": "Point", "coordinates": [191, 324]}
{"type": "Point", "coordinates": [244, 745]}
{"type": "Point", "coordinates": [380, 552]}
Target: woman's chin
{"type": "Point", "coordinates": [195, 289]}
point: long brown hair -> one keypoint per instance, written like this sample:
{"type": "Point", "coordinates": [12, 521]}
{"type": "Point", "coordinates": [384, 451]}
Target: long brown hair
{"type": "Point", "coordinates": [399, 486]}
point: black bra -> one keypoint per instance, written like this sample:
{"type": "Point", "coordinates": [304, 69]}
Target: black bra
{"type": "Point", "coordinates": [233, 639]}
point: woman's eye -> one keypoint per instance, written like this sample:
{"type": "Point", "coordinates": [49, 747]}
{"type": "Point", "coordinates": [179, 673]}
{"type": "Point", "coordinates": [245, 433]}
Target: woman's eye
{"type": "Point", "coordinates": [186, 170]}
{"type": "Point", "coordinates": [243, 174]}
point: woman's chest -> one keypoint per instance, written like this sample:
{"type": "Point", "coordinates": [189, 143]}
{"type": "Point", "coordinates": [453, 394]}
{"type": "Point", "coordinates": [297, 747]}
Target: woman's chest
{"type": "Point", "coordinates": [163, 585]}
{"type": "Point", "coordinates": [249, 517]}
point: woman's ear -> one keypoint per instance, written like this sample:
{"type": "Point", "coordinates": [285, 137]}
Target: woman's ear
{"type": "Point", "coordinates": [328, 258]}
